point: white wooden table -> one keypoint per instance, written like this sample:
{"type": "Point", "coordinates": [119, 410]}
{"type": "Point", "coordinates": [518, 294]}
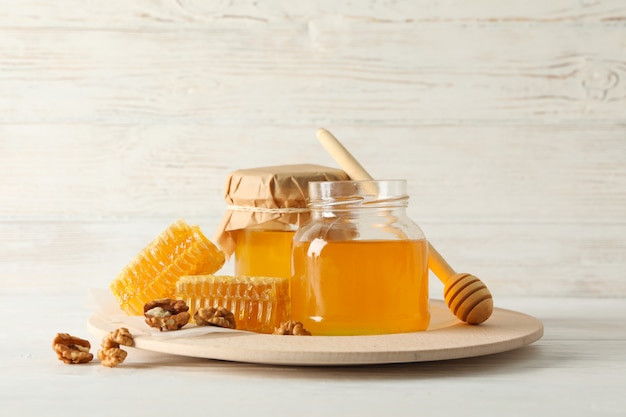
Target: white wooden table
{"type": "Point", "coordinates": [577, 369]}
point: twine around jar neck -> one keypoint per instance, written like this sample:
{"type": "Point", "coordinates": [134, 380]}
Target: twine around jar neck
{"type": "Point", "coordinates": [277, 210]}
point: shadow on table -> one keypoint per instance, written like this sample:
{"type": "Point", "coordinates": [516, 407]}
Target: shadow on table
{"type": "Point", "coordinates": [525, 359]}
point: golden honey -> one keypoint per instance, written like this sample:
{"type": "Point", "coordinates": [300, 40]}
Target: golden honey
{"type": "Point", "coordinates": [360, 287]}
{"type": "Point", "coordinates": [264, 253]}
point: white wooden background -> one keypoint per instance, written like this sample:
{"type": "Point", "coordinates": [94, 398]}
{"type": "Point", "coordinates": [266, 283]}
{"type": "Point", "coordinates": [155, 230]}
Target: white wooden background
{"type": "Point", "coordinates": [508, 118]}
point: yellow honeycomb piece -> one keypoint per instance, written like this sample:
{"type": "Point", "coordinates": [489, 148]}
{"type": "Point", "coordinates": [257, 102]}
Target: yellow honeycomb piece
{"type": "Point", "coordinates": [259, 304]}
{"type": "Point", "coordinates": [179, 250]}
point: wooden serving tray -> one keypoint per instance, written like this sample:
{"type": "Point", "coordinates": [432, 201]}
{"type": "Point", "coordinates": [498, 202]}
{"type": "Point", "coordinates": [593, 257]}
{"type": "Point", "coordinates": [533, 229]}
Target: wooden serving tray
{"type": "Point", "coordinates": [446, 338]}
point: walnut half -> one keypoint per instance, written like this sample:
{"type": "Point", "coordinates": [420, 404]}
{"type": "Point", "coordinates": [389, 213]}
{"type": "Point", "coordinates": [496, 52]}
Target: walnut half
{"type": "Point", "coordinates": [292, 328]}
{"type": "Point", "coordinates": [72, 349]}
{"type": "Point", "coordinates": [215, 316]}
{"type": "Point", "coordinates": [166, 314]}
{"type": "Point", "coordinates": [111, 355]}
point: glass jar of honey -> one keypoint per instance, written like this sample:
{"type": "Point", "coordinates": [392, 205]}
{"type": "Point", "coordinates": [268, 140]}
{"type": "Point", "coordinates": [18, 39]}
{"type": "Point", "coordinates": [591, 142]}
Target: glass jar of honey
{"type": "Point", "coordinates": [264, 250]}
{"type": "Point", "coordinates": [359, 266]}
{"type": "Point", "coordinates": [265, 206]}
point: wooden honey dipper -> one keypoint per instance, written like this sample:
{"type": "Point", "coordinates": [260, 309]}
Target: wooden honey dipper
{"type": "Point", "coordinates": [467, 297]}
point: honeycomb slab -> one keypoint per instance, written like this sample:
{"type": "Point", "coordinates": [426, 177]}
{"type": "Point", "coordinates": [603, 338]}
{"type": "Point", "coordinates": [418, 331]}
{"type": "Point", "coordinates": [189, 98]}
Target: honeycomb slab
{"type": "Point", "coordinates": [180, 250]}
{"type": "Point", "coordinates": [259, 304]}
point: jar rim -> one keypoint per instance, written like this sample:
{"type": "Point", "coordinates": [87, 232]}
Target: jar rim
{"type": "Point", "coordinates": [357, 193]}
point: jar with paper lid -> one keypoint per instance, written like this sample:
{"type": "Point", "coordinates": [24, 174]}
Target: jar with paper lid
{"type": "Point", "coordinates": [360, 264]}
{"type": "Point", "coordinates": [265, 206]}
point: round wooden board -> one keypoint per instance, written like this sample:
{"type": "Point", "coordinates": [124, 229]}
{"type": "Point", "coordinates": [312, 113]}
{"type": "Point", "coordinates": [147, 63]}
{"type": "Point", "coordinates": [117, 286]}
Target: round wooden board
{"type": "Point", "coordinates": [446, 338]}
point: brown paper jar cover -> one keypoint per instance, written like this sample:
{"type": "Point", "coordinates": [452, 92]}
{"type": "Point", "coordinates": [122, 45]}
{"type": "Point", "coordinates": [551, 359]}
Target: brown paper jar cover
{"type": "Point", "coordinates": [275, 194]}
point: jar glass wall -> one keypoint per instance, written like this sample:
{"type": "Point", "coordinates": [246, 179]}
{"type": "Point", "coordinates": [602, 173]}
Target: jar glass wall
{"type": "Point", "coordinates": [360, 265]}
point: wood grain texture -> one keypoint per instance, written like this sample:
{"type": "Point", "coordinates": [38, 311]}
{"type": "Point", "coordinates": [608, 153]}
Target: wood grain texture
{"type": "Point", "coordinates": [455, 173]}
{"type": "Point", "coordinates": [297, 73]}
{"type": "Point", "coordinates": [167, 14]}
{"type": "Point", "coordinates": [508, 119]}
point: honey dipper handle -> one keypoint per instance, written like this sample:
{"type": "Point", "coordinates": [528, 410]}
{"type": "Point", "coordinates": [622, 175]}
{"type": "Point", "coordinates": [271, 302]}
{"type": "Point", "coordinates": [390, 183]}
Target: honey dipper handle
{"type": "Point", "coordinates": [438, 265]}
{"type": "Point", "coordinates": [342, 156]}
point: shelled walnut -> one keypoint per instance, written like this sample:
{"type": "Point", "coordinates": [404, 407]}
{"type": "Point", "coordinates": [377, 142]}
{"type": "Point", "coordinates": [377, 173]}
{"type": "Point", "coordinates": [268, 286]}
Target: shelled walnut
{"type": "Point", "coordinates": [71, 349]}
{"type": "Point", "coordinates": [215, 316]}
{"type": "Point", "coordinates": [292, 328]}
{"type": "Point", "coordinates": [166, 314]}
{"type": "Point", "coordinates": [111, 355]}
